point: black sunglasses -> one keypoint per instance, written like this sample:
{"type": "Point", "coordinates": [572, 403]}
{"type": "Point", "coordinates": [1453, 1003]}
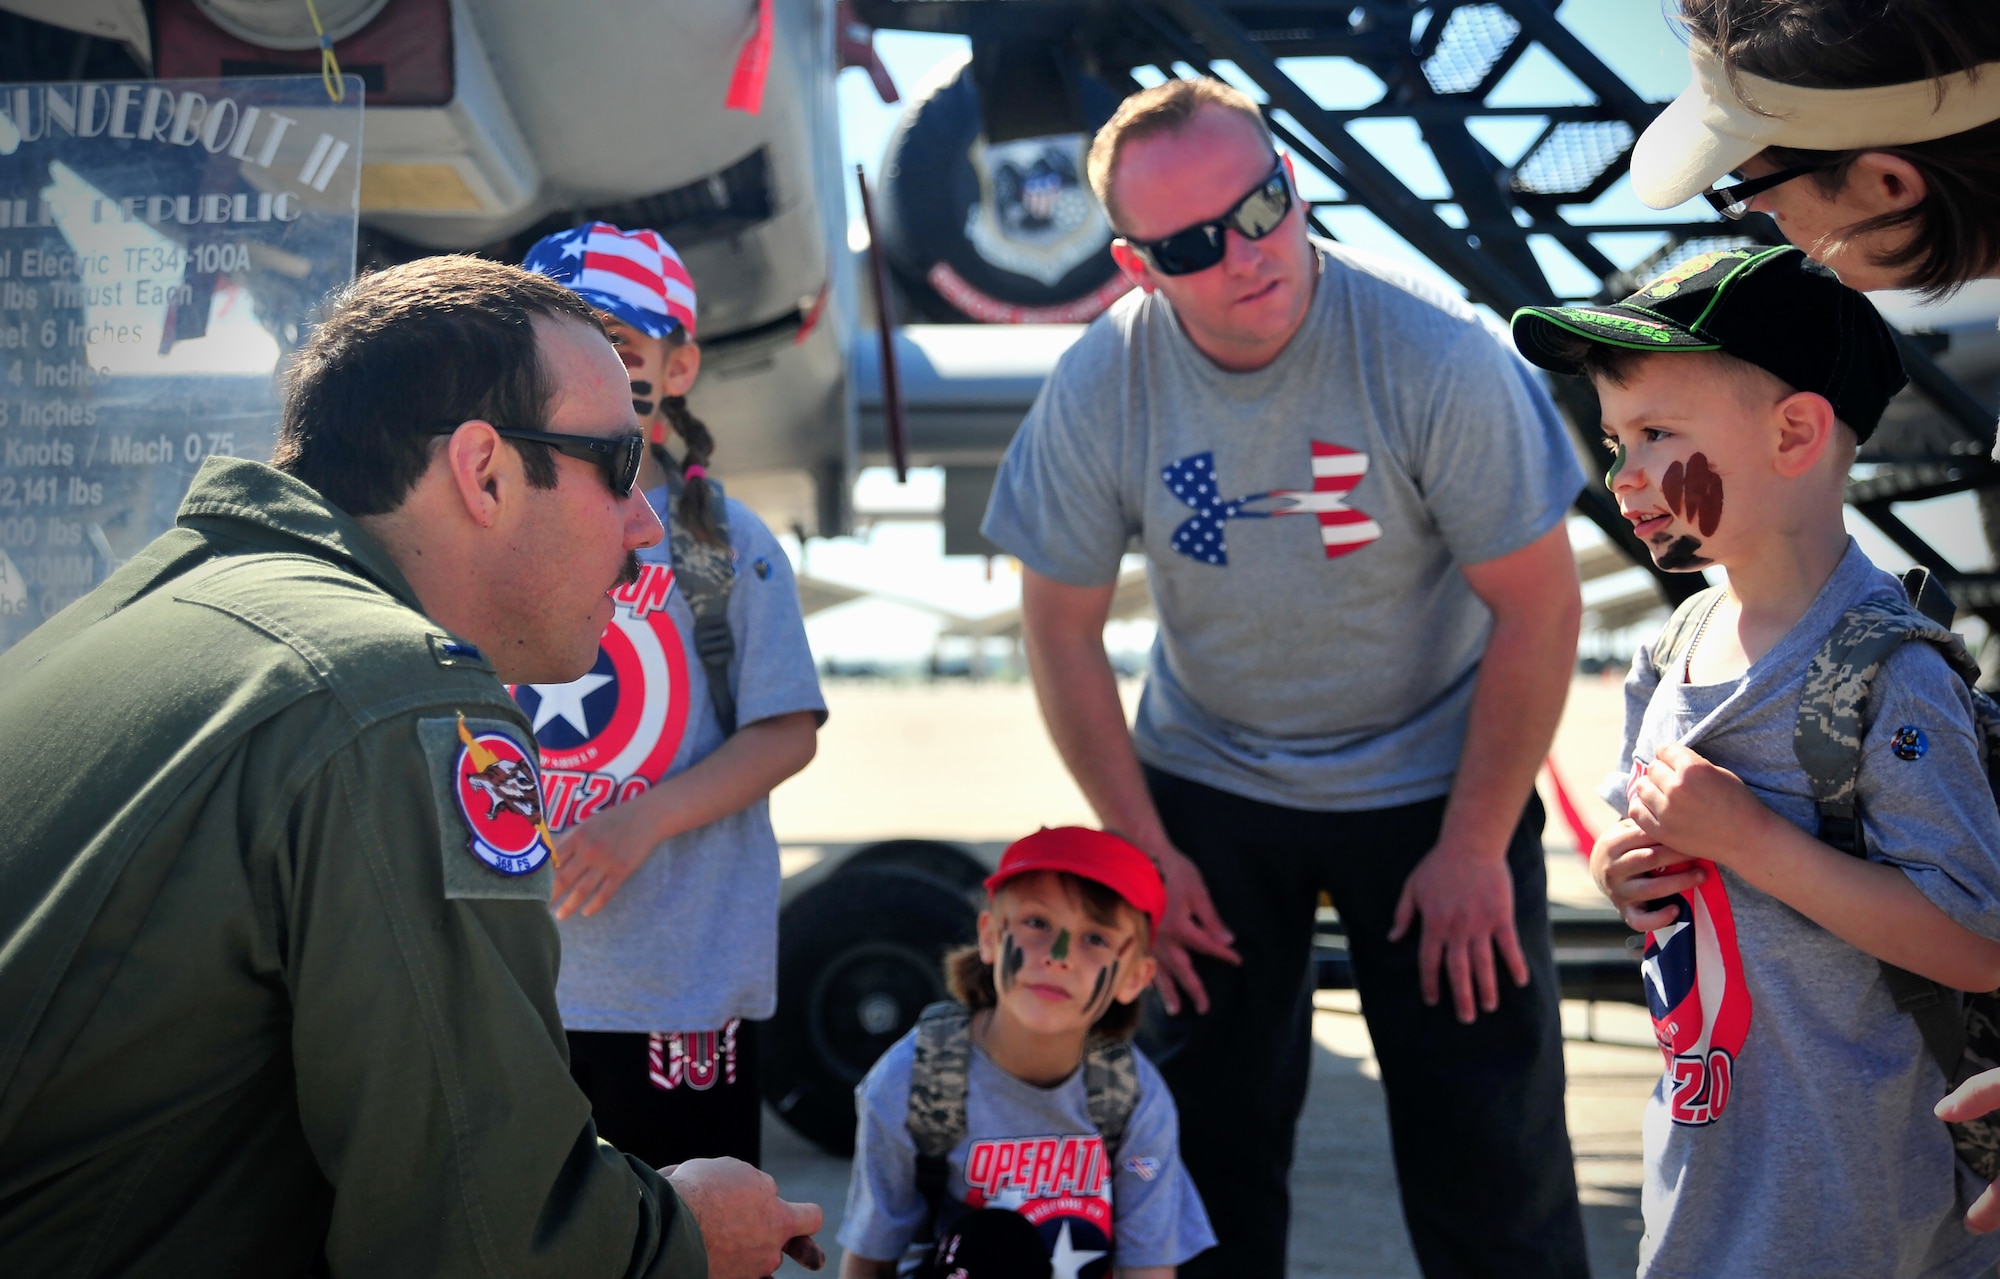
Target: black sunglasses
{"type": "Point", "coordinates": [619, 455]}
{"type": "Point", "coordinates": [1733, 201]}
{"type": "Point", "coordinates": [1201, 246]}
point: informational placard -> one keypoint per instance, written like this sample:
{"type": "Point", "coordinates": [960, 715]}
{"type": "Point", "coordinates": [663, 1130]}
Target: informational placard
{"type": "Point", "coordinates": [162, 247]}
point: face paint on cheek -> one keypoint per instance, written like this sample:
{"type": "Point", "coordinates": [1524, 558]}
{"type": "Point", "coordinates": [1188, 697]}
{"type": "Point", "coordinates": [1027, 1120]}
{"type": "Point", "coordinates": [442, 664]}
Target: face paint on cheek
{"type": "Point", "coordinates": [1703, 493]}
{"type": "Point", "coordinates": [1670, 486]}
{"type": "Point", "coordinates": [1100, 994]}
{"type": "Point", "coordinates": [1011, 959]}
{"type": "Point", "coordinates": [644, 408]}
{"type": "Point", "coordinates": [1060, 951]}
{"type": "Point", "coordinates": [1617, 464]}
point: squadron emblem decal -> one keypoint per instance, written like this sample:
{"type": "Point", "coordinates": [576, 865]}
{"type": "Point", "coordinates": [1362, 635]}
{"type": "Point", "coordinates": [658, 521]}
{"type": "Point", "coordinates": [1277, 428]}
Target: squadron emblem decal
{"type": "Point", "coordinates": [501, 799]}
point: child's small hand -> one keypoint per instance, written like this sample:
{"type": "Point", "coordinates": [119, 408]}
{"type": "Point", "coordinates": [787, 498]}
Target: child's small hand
{"type": "Point", "coordinates": [1632, 868]}
{"type": "Point", "coordinates": [1704, 810]}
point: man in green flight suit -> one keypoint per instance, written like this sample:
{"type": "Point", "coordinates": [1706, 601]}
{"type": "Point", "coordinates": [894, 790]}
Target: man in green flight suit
{"type": "Point", "coordinates": [277, 971]}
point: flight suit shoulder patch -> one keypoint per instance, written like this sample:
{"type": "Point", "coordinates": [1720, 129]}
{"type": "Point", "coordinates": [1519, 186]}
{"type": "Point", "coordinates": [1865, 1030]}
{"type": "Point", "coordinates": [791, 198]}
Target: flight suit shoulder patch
{"type": "Point", "coordinates": [488, 795]}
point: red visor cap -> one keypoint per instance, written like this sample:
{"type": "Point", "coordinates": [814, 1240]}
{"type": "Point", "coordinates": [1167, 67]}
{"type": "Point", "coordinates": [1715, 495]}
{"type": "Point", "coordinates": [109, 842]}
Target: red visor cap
{"type": "Point", "coordinates": [1096, 855]}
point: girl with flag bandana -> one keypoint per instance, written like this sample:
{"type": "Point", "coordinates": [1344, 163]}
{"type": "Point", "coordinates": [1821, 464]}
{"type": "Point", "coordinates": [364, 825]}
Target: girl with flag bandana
{"type": "Point", "coordinates": [667, 879]}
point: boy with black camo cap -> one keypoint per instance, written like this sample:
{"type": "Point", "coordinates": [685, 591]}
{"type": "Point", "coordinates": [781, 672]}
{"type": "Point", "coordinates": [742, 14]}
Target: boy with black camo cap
{"type": "Point", "coordinates": [1792, 1132]}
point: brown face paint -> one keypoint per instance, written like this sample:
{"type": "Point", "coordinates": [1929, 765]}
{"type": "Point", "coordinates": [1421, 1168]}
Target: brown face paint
{"type": "Point", "coordinates": [1011, 959]}
{"type": "Point", "coordinates": [1704, 495]}
{"type": "Point", "coordinates": [1694, 493]}
{"type": "Point", "coordinates": [1060, 951]}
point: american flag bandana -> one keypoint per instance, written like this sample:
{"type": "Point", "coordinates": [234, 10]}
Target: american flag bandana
{"type": "Point", "coordinates": [634, 275]}
{"type": "Point", "coordinates": [1336, 472]}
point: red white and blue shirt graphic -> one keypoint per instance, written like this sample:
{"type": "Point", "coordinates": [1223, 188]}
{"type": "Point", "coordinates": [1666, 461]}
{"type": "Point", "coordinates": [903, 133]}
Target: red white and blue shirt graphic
{"type": "Point", "coordinates": [1336, 471]}
{"type": "Point", "coordinates": [1696, 993]}
{"type": "Point", "coordinates": [616, 731]}
{"type": "Point", "coordinates": [1061, 1184]}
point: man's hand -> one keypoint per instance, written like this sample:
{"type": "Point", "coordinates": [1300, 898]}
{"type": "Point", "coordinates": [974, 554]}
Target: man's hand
{"type": "Point", "coordinates": [746, 1228]}
{"type": "Point", "coordinates": [1467, 904]}
{"type": "Point", "coordinates": [1191, 924]}
{"type": "Point", "coordinates": [1633, 868]}
{"type": "Point", "coordinates": [1704, 810]}
{"type": "Point", "coordinates": [595, 859]}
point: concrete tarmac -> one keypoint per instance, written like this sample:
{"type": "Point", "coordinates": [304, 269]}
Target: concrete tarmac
{"type": "Point", "coordinates": [970, 762]}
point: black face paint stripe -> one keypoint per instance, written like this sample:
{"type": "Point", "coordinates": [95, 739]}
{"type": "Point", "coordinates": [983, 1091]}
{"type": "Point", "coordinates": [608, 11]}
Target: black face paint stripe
{"type": "Point", "coordinates": [1685, 553]}
{"type": "Point", "coordinates": [640, 386]}
{"type": "Point", "coordinates": [644, 408]}
{"type": "Point", "coordinates": [1011, 959]}
{"type": "Point", "coordinates": [1100, 995]}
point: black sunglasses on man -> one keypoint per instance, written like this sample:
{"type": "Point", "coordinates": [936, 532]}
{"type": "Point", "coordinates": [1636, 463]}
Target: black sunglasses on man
{"type": "Point", "coordinates": [1201, 246]}
{"type": "Point", "coordinates": [619, 455]}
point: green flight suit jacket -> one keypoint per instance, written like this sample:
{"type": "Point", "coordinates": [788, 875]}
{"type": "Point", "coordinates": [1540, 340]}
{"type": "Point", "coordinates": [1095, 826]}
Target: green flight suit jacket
{"type": "Point", "coordinates": [264, 1011]}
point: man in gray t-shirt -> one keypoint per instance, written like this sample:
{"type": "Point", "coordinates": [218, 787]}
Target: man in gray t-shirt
{"type": "Point", "coordinates": [1351, 500]}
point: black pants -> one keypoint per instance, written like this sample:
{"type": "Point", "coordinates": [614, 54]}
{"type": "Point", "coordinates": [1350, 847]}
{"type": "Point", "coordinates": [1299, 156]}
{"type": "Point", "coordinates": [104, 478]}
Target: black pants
{"type": "Point", "coordinates": [1475, 1112]}
{"type": "Point", "coordinates": [702, 1115]}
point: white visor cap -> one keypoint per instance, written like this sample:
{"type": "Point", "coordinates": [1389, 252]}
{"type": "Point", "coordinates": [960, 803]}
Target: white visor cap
{"type": "Point", "coordinates": [1714, 126]}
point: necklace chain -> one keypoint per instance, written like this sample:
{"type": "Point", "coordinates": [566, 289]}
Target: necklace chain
{"type": "Point", "coordinates": [1701, 627]}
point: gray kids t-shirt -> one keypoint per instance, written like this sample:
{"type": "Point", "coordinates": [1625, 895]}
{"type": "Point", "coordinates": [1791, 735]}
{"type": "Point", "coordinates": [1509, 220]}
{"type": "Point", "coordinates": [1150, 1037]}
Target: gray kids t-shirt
{"type": "Point", "coordinates": [1303, 526]}
{"type": "Point", "coordinates": [691, 939]}
{"type": "Point", "coordinates": [1033, 1150]}
{"type": "Point", "coordinates": [1797, 1136]}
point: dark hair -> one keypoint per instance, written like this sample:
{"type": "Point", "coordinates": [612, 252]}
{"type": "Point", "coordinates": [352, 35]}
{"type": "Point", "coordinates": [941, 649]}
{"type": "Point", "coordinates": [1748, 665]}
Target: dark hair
{"type": "Point", "coordinates": [403, 351]}
{"type": "Point", "coordinates": [1857, 44]}
{"type": "Point", "coordinates": [695, 509]}
{"type": "Point", "coordinates": [970, 978]}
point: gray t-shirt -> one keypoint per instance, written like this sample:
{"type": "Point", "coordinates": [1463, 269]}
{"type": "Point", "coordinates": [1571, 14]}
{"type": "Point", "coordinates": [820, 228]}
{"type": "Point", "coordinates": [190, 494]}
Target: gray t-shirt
{"type": "Point", "coordinates": [691, 939]}
{"type": "Point", "coordinates": [1033, 1150]}
{"type": "Point", "coordinates": [1303, 526]}
{"type": "Point", "coordinates": [1800, 1139]}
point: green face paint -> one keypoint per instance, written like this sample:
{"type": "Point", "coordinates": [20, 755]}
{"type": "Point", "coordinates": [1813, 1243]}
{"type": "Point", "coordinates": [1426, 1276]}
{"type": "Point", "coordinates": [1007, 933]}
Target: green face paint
{"type": "Point", "coordinates": [1060, 951]}
{"type": "Point", "coordinates": [1617, 462]}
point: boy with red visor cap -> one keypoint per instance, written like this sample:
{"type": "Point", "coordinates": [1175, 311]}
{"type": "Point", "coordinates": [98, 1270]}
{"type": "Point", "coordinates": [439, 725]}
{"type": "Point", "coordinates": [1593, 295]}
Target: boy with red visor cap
{"type": "Point", "coordinates": [1025, 1097]}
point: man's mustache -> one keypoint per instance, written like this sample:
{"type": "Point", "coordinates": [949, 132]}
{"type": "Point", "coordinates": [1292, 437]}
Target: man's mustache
{"type": "Point", "coordinates": [631, 572]}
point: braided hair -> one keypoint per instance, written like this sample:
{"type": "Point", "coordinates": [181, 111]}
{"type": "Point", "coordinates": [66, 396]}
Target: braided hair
{"type": "Point", "coordinates": [695, 508]}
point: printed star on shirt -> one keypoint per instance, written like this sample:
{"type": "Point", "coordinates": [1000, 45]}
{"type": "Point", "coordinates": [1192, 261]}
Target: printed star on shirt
{"type": "Point", "coordinates": [566, 700]}
{"type": "Point", "coordinates": [1068, 1261]}
{"type": "Point", "coordinates": [574, 249]}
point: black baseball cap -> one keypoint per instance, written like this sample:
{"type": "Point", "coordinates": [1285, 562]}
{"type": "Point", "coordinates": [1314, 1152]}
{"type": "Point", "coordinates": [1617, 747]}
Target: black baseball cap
{"type": "Point", "coordinates": [1774, 308]}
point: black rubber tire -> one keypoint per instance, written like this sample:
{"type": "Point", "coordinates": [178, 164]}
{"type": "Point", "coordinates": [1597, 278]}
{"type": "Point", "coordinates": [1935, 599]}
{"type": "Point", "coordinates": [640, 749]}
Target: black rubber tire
{"type": "Point", "coordinates": [929, 187]}
{"type": "Point", "coordinates": [859, 955]}
{"type": "Point", "coordinates": [941, 861]}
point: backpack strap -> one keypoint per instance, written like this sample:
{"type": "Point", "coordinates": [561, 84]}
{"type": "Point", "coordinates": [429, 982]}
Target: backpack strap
{"type": "Point", "coordinates": [1834, 714]}
{"type": "Point", "coordinates": [1920, 586]}
{"type": "Point", "coordinates": [938, 1081]}
{"type": "Point", "coordinates": [1679, 631]}
{"type": "Point", "coordinates": [1111, 1090]}
{"type": "Point", "coordinates": [706, 574]}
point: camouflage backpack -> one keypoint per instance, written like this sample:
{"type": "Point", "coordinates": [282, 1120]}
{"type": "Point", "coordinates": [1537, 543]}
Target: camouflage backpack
{"type": "Point", "coordinates": [939, 1077]}
{"type": "Point", "coordinates": [1962, 1031]}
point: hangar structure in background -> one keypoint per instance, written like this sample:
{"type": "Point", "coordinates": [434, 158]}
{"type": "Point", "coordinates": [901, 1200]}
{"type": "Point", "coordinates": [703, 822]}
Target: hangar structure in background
{"type": "Point", "coordinates": [1039, 65]}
